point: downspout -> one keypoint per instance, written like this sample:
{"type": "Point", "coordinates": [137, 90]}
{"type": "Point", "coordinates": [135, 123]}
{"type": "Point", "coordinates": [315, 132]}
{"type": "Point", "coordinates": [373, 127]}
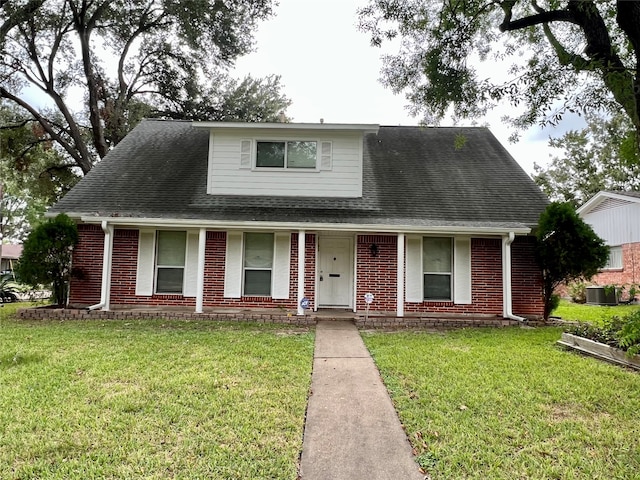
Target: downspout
{"type": "Point", "coordinates": [507, 306]}
{"type": "Point", "coordinates": [106, 268]}
{"type": "Point", "coordinates": [302, 236]}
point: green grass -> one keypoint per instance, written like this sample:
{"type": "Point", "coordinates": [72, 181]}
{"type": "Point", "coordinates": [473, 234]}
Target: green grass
{"type": "Point", "coordinates": [151, 399]}
{"type": "Point", "coordinates": [591, 313]}
{"type": "Point", "coordinates": [510, 404]}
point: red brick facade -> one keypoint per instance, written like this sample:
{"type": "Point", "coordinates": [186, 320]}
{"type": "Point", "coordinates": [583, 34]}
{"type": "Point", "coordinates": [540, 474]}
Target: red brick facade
{"type": "Point", "coordinates": [526, 279]}
{"type": "Point", "coordinates": [376, 274]}
{"type": "Point", "coordinates": [628, 275]}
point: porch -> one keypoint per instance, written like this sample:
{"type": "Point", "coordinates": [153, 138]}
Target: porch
{"type": "Point", "coordinates": [384, 320]}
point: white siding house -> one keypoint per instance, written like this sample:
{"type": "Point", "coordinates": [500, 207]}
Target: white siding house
{"type": "Point", "coordinates": [315, 162]}
{"type": "Point", "coordinates": [615, 217]}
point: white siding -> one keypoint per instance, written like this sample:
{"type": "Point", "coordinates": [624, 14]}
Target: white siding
{"type": "Point", "coordinates": [343, 178]}
{"type": "Point", "coordinates": [616, 226]}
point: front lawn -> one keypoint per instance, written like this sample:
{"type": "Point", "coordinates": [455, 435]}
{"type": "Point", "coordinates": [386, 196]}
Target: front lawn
{"type": "Point", "coordinates": [595, 314]}
{"type": "Point", "coordinates": [151, 399]}
{"type": "Point", "coordinates": [510, 404]}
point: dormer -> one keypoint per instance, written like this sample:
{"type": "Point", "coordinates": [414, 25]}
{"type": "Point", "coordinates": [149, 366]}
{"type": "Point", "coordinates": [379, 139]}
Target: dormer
{"type": "Point", "coordinates": [285, 159]}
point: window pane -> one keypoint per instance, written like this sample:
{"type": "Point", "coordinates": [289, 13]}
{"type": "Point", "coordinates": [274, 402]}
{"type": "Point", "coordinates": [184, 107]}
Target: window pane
{"type": "Point", "coordinates": [258, 250]}
{"type": "Point", "coordinates": [171, 248]}
{"type": "Point", "coordinates": [436, 255]}
{"type": "Point", "coordinates": [301, 154]}
{"type": "Point", "coordinates": [437, 287]}
{"type": "Point", "coordinates": [169, 280]}
{"type": "Point", "coordinates": [615, 258]}
{"type": "Point", "coordinates": [257, 282]}
{"type": "Point", "coordinates": [270, 154]}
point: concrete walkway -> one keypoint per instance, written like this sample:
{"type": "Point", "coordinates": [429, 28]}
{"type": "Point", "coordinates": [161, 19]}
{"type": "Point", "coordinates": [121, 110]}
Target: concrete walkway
{"type": "Point", "coordinates": [352, 430]}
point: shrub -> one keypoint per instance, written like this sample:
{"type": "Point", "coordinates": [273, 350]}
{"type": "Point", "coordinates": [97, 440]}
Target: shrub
{"type": "Point", "coordinates": [629, 334]}
{"type": "Point", "coordinates": [578, 292]}
{"type": "Point", "coordinates": [619, 332]}
{"type": "Point", "coordinates": [567, 249]}
{"type": "Point", "coordinates": [46, 255]}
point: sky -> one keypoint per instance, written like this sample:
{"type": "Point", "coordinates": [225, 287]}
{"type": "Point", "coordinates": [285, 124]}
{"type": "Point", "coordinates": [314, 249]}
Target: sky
{"type": "Point", "coordinates": [330, 71]}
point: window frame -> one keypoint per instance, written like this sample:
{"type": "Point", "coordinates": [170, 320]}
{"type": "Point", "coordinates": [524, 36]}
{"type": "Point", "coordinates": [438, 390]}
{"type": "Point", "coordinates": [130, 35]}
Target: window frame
{"type": "Point", "coordinates": [158, 266]}
{"type": "Point", "coordinates": [449, 274]}
{"type": "Point", "coordinates": [269, 269]}
{"type": "Point", "coordinates": [619, 256]}
{"type": "Point", "coordinates": [286, 167]}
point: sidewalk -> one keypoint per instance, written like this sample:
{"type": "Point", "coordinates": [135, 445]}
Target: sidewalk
{"type": "Point", "coordinates": [352, 430]}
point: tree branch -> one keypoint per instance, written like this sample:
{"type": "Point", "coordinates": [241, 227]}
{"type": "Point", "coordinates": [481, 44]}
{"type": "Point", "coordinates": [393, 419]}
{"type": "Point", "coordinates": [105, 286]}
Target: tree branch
{"type": "Point", "coordinates": [18, 17]}
{"type": "Point", "coordinates": [545, 17]}
{"type": "Point", "coordinates": [4, 93]}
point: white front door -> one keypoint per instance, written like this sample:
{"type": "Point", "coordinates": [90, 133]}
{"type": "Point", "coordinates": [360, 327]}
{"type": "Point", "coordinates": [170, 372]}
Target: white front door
{"type": "Point", "coordinates": [335, 272]}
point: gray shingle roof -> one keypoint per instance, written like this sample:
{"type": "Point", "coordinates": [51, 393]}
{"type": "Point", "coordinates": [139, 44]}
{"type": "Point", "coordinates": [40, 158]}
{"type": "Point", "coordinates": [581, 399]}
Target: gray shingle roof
{"type": "Point", "coordinates": [412, 176]}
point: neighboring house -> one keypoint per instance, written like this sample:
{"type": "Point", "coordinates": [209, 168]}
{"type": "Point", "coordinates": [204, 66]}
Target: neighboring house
{"type": "Point", "coordinates": [9, 255]}
{"type": "Point", "coordinates": [615, 217]}
{"type": "Point", "coordinates": [211, 215]}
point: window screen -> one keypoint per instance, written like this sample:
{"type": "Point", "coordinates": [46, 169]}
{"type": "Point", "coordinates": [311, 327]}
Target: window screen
{"type": "Point", "coordinates": [170, 260]}
{"type": "Point", "coordinates": [258, 263]}
{"type": "Point", "coordinates": [437, 254]}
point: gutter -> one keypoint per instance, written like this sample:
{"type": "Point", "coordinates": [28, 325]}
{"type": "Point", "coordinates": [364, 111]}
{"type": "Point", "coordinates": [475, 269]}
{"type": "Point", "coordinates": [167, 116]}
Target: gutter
{"type": "Point", "coordinates": [506, 272]}
{"type": "Point", "coordinates": [106, 268]}
{"type": "Point", "coordinates": [310, 226]}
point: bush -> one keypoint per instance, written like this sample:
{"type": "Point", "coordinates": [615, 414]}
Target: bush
{"type": "Point", "coordinates": [629, 334]}
{"type": "Point", "coordinates": [622, 333]}
{"type": "Point", "coordinates": [46, 256]}
{"type": "Point", "coordinates": [578, 292]}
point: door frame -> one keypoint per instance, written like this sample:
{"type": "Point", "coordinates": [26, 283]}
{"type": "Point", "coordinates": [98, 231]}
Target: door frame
{"type": "Point", "coordinates": [352, 269]}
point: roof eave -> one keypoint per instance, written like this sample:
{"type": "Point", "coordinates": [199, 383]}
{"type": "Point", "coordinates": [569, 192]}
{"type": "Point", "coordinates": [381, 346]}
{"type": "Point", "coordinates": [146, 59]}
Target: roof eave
{"type": "Point", "coordinates": [600, 197]}
{"type": "Point", "coordinates": [315, 226]}
{"type": "Point", "coordinates": [359, 127]}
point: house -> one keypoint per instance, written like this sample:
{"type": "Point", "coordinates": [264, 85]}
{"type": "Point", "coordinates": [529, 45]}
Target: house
{"type": "Point", "coordinates": [615, 217]}
{"type": "Point", "coordinates": [209, 215]}
{"type": "Point", "coordinates": [9, 255]}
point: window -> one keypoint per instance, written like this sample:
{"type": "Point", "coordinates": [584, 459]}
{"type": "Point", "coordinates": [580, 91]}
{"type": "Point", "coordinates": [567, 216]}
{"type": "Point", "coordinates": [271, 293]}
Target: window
{"type": "Point", "coordinates": [437, 254]}
{"type": "Point", "coordinates": [170, 261]}
{"type": "Point", "coordinates": [615, 259]}
{"type": "Point", "coordinates": [258, 263]}
{"type": "Point", "coordinates": [298, 154]}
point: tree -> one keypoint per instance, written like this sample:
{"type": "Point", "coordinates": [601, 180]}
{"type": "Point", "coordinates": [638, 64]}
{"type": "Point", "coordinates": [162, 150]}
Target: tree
{"type": "Point", "coordinates": [128, 59]}
{"type": "Point", "coordinates": [567, 250]}
{"type": "Point", "coordinates": [46, 256]}
{"type": "Point", "coordinates": [33, 174]}
{"type": "Point", "coordinates": [602, 156]}
{"type": "Point", "coordinates": [565, 55]}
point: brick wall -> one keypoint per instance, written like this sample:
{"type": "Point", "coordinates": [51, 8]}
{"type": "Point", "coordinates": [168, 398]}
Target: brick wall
{"type": "Point", "coordinates": [86, 280]}
{"type": "Point", "coordinates": [377, 274]}
{"type": "Point", "coordinates": [486, 282]}
{"type": "Point", "coordinates": [526, 279]}
{"type": "Point", "coordinates": [630, 272]}
{"type": "Point", "coordinates": [214, 276]}
{"type": "Point", "coordinates": [380, 280]}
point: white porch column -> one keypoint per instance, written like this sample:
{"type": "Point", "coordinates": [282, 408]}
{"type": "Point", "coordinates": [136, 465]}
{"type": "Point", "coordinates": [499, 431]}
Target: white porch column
{"type": "Point", "coordinates": [202, 242]}
{"type": "Point", "coordinates": [400, 278]}
{"type": "Point", "coordinates": [107, 259]}
{"type": "Point", "coordinates": [506, 275]}
{"type": "Point", "coordinates": [301, 262]}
